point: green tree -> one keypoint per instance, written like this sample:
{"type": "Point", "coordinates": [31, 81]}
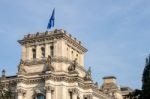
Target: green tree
{"type": "Point", "coordinates": [146, 80]}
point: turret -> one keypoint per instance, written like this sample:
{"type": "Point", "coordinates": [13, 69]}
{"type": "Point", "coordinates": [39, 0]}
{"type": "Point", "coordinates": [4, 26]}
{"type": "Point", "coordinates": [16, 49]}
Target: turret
{"type": "Point", "coordinates": [110, 87]}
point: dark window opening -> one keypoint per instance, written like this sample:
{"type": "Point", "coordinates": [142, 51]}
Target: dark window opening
{"type": "Point", "coordinates": [34, 53]}
{"type": "Point", "coordinates": [43, 51]}
{"type": "Point", "coordinates": [52, 50]}
{"type": "Point", "coordinates": [70, 93]}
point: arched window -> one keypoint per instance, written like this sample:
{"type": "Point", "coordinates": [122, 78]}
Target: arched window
{"type": "Point", "coordinates": [34, 53]}
{"type": "Point", "coordinates": [40, 96]}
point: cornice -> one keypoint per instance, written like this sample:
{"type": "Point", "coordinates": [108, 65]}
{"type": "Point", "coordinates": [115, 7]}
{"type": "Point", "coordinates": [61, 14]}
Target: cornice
{"type": "Point", "coordinates": [46, 37]}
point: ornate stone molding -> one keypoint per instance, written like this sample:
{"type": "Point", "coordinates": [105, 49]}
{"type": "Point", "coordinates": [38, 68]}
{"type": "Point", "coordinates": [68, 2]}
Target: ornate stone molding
{"type": "Point", "coordinates": [32, 39]}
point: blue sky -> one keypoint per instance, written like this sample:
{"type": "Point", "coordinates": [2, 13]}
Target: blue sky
{"type": "Point", "coordinates": [116, 33]}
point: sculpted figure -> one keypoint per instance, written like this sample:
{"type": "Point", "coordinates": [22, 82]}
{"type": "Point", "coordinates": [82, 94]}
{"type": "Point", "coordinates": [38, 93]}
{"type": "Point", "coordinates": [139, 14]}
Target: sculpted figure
{"type": "Point", "coordinates": [49, 64]}
{"type": "Point", "coordinates": [21, 67]}
{"type": "Point", "coordinates": [88, 75]}
{"type": "Point", "coordinates": [72, 67]}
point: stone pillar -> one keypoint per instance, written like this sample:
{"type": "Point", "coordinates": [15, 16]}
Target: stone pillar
{"type": "Point", "coordinates": [24, 52]}
{"type": "Point", "coordinates": [49, 90]}
{"type": "Point", "coordinates": [74, 96]}
{"type": "Point", "coordinates": [38, 52]}
{"type": "Point", "coordinates": [47, 50]}
{"type": "Point", "coordinates": [28, 53]}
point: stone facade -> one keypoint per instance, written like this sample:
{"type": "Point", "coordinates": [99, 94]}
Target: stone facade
{"type": "Point", "coordinates": [52, 67]}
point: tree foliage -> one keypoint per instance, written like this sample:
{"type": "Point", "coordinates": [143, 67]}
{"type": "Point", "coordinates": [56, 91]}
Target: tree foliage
{"type": "Point", "coordinates": [146, 80]}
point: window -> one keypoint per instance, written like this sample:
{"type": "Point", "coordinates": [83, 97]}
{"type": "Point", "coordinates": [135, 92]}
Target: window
{"type": "Point", "coordinates": [52, 50]}
{"type": "Point", "coordinates": [34, 53]}
{"type": "Point", "coordinates": [40, 96]}
{"type": "Point", "coordinates": [72, 54]}
{"type": "Point", "coordinates": [43, 51]}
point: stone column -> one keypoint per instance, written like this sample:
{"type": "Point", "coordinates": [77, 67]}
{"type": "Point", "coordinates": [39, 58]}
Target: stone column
{"type": "Point", "coordinates": [28, 53]}
{"type": "Point", "coordinates": [74, 96]}
{"type": "Point", "coordinates": [47, 50]}
{"type": "Point", "coordinates": [24, 53]}
{"type": "Point", "coordinates": [49, 90]}
{"type": "Point", "coordinates": [38, 52]}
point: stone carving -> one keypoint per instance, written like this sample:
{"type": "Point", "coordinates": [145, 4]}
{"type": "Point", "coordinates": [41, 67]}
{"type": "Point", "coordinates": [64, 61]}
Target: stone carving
{"type": "Point", "coordinates": [49, 66]}
{"type": "Point", "coordinates": [88, 75]}
{"type": "Point", "coordinates": [21, 92]}
{"type": "Point", "coordinates": [72, 67]}
{"type": "Point", "coordinates": [21, 69]}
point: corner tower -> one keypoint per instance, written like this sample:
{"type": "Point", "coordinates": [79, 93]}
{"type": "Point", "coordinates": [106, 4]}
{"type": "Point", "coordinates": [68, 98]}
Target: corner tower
{"type": "Point", "coordinates": [59, 45]}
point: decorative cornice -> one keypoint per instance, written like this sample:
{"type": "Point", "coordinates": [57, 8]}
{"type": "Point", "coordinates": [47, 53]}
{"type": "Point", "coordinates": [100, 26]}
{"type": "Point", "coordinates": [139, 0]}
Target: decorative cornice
{"type": "Point", "coordinates": [53, 77]}
{"type": "Point", "coordinates": [34, 39]}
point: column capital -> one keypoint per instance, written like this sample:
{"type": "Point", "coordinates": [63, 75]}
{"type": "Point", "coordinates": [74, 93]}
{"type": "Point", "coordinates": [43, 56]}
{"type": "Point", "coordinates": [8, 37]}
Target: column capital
{"type": "Point", "coordinates": [49, 88]}
{"type": "Point", "coordinates": [88, 96]}
{"type": "Point", "coordinates": [74, 90]}
{"type": "Point", "coordinates": [21, 92]}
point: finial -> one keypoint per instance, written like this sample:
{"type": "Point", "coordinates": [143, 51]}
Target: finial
{"type": "Point", "coordinates": [3, 73]}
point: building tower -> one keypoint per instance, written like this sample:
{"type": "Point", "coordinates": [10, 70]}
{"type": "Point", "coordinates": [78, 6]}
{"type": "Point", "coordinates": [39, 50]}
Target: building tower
{"type": "Point", "coordinates": [52, 67]}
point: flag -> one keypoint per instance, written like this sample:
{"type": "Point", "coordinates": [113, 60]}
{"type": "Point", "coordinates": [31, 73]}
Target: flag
{"type": "Point", "coordinates": [51, 20]}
